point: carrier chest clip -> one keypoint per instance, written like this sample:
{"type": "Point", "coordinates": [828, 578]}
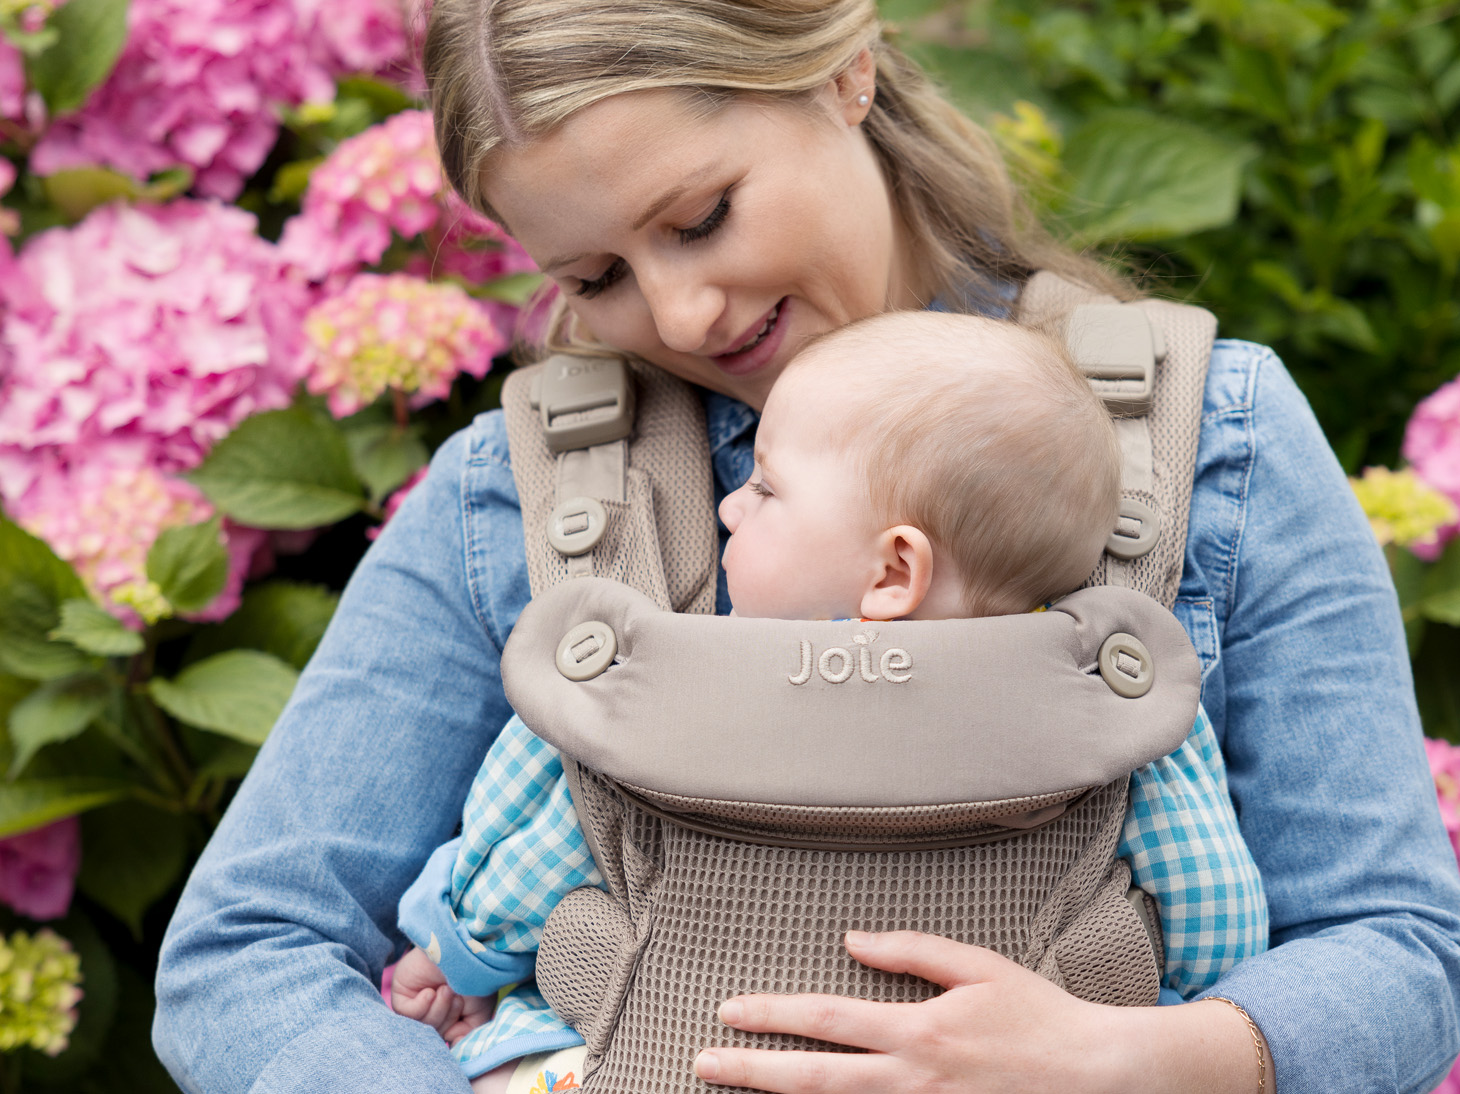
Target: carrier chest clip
{"type": "Point", "coordinates": [583, 401]}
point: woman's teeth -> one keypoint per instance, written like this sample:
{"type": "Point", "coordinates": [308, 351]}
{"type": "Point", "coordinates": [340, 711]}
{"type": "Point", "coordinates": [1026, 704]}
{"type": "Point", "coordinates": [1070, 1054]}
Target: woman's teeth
{"type": "Point", "coordinates": [760, 335]}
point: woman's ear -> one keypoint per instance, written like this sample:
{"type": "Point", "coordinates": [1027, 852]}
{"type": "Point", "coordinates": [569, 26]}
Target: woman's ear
{"type": "Point", "coordinates": [856, 87]}
{"type": "Point", "coordinates": [904, 574]}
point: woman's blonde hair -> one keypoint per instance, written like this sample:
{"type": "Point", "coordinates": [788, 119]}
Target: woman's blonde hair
{"type": "Point", "coordinates": [504, 72]}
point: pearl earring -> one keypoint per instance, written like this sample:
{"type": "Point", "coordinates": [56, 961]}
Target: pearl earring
{"type": "Point", "coordinates": [863, 99]}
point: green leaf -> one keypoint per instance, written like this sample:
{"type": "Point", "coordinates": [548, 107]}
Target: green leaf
{"type": "Point", "coordinates": [284, 618]}
{"type": "Point", "coordinates": [1442, 607]}
{"type": "Point", "coordinates": [30, 803]}
{"type": "Point", "coordinates": [92, 33]}
{"type": "Point", "coordinates": [238, 693]}
{"type": "Point", "coordinates": [166, 185]}
{"type": "Point", "coordinates": [93, 629]}
{"type": "Point", "coordinates": [81, 189]}
{"type": "Point", "coordinates": [56, 711]}
{"type": "Point", "coordinates": [282, 469]}
{"type": "Point", "coordinates": [189, 564]}
{"type": "Point", "coordinates": [292, 180]}
{"type": "Point", "coordinates": [133, 855]}
{"type": "Point", "coordinates": [383, 98]}
{"type": "Point", "coordinates": [515, 289]}
{"type": "Point", "coordinates": [1140, 176]}
{"type": "Point", "coordinates": [384, 455]}
{"type": "Point", "coordinates": [33, 585]}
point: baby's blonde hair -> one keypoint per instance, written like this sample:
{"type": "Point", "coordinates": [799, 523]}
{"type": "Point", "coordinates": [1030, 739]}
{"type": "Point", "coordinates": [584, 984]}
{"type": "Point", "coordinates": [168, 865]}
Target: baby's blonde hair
{"type": "Point", "coordinates": [502, 73]}
{"type": "Point", "coordinates": [982, 434]}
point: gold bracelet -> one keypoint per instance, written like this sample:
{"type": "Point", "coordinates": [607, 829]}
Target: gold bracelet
{"type": "Point", "coordinates": [1257, 1041]}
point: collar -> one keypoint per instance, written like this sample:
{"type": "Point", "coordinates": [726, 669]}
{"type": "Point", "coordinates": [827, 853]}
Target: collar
{"type": "Point", "coordinates": [727, 419]}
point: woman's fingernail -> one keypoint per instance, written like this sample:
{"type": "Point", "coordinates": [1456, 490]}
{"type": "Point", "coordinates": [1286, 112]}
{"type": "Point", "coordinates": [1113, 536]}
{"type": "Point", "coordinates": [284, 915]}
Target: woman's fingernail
{"type": "Point", "coordinates": [707, 1066]}
{"type": "Point", "coordinates": [731, 1012]}
{"type": "Point", "coordinates": [858, 938]}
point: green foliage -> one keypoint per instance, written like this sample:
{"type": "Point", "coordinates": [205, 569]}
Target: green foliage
{"type": "Point", "coordinates": [95, 630]}
{"type": "Point", "coordinates": [189, 564]}
{"type": "Point", "coordinates": [238, 693]}
{"type": "Point", "coordinates": [56, 711]}
{"type": "Point", "coordinates": [134, 854]}
{"type": "Point", "coordinates": [33, 585]}
{"type": "Point", "coordinates": [1309, 188]}
{"type": "Point", "coordinates": [383, 453]}
{"type": "Point", "coordinates": [87, 37]}
{"type": "Point", "coordinates": [283, 469]}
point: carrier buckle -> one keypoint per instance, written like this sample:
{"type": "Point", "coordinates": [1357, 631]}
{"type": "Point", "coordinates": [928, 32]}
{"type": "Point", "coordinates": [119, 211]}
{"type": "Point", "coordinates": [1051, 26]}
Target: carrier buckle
{"type": "Point", "coordinates": [1117, 348]}
{"type": "Point", "coordinates": [584, 401]}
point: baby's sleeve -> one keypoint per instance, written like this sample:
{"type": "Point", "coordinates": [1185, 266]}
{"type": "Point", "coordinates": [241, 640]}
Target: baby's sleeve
{"type": "Point", "coordinates": [479, 906]}
{"type": "Point", "coordinates": [1185, 849]}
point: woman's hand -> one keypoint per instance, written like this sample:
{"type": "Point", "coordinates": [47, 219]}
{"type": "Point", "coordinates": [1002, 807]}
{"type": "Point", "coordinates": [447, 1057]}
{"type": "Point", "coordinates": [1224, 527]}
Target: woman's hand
{"type": "Point", "coordinates": [998, 1026]}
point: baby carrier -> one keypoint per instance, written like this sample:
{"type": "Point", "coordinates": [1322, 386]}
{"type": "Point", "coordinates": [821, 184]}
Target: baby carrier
{"type": "Point", "coordinates": [751, 789]}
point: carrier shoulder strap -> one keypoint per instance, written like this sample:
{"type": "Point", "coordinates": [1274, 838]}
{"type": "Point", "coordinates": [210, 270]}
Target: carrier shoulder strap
{"type": "Point", "coordinates": [612, 467]}
{"type": "Point", "coordinates": [612, 464]}
{"type": "Point", "coordinates": [1148, 361]}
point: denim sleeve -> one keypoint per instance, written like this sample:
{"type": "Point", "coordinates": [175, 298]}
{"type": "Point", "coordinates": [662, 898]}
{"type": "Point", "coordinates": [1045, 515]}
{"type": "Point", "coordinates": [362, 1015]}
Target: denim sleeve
{"type": "Point", "coordinates": [267, 976]}
{"type": "Point", "coordinates": [1314, 700]}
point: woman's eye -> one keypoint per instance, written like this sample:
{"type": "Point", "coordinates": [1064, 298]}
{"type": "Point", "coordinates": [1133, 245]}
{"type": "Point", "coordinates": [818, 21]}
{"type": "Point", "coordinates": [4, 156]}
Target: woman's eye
{"type": "Point", "coordinates": [760, 488]}
{"type": "Point", "coordinates": [591, 288]}
{"type": "Point", "coordinates": [708, 226]}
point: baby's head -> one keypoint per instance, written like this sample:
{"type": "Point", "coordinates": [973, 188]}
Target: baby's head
{"type": "Point", "coordinates": [926, 465]}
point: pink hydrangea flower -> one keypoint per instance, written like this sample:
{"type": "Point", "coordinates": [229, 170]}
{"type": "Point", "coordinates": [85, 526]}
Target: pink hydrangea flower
{"type": "Point", "coordinates": [12, 82]}
{"type": "Point", "coordinates": [103, 519]}
{"type": "Point", "coordinates": [147, 332]}
{"type": "Point", "coordinates": [198, 83]}
{"type": "Point", "coordinates": [357, 36]}
{"type": "Point", "coordinates": [1432, 447]}
{"type": "Point", "coordinates": [1445, 767]}
{"type": "Point", "coordinates": [383, 180]}
{"type": "Point", "coordinates": [38, 869]}
{"type": "Point", "coordinates": [396, 332]}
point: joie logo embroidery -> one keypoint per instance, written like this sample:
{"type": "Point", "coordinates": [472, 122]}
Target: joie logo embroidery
{"type": "Point", "coordinates": [836, 664]}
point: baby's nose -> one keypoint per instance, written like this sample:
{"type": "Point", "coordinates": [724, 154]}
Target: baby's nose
{"type": "Point", "coordinates": [730, 509]}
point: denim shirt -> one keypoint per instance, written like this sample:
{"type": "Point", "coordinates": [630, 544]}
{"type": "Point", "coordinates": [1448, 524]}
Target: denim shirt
{"type": "Point", "coordinates": [268, 972]}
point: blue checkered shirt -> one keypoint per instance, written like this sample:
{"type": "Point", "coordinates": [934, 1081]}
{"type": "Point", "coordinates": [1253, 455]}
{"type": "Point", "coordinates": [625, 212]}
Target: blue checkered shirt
{"type": "Point", "coordinates": [522, 851]}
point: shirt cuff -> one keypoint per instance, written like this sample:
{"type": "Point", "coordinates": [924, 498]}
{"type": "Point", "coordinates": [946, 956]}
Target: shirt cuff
{"type": "Point", "coordinates": [428, 920]}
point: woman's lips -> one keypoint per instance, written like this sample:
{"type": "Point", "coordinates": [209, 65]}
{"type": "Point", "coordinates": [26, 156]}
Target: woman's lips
{"type": "Point", "coordinates": [761, 346]}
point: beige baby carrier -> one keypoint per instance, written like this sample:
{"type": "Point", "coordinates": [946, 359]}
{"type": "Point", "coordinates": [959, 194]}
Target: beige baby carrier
{"type": "Point", "coordinates": [751, 789]}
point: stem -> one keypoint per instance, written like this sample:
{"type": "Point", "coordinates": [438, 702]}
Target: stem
{"type": "Point", "coordinates": [144, 759]}
{"type": "Point", "coordinates": [402, 408]}
{"type": "Point", "coordinates": [163, 739]}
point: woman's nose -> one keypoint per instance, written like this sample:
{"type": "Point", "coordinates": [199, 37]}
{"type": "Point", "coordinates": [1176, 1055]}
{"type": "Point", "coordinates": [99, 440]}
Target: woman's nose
{"type": "Point", "coordinates": [684, 308]}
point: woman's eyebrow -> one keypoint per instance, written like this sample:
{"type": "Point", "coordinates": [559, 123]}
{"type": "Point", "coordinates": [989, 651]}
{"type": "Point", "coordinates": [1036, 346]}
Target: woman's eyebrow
{"type": "Point", "coordinates": [674, 193]}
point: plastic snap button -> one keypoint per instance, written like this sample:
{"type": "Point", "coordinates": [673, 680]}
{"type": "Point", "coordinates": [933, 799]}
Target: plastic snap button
{"type": "Point", "coordinates": [1126, 665]}
{"type": "Point", "coordinates": [587, 650]}
{"type": "Point", "coordinates": [1135, 532]}
{"type": "Point", "coordinates": [575, 527]}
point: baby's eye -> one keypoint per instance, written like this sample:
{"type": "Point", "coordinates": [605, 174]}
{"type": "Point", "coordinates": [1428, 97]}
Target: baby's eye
{"type": "Point", "coordinates": [759, 488]}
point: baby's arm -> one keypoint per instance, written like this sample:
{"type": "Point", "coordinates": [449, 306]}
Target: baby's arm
{"type": "Point", "coordinates": [418, 990]}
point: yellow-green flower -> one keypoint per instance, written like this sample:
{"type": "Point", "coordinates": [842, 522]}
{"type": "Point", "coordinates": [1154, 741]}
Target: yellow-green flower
{"type": "Point", "coordinates": [38, 991]}
{"type": "Point", "coordinates": [1402, 509]}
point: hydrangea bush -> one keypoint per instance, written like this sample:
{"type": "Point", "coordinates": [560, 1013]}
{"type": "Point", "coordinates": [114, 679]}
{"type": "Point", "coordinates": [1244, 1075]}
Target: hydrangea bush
{"type": "Point", "coordinates": [239, 309]}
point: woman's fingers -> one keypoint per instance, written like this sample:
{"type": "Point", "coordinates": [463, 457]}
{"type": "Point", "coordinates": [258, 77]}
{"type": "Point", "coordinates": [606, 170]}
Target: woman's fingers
{"type": "Point", "coordinates": [796, 1072]}
{"type": "Point", "coordinates": [842, 1021]}
{"type": "Point", "coordinates": [945, 962]}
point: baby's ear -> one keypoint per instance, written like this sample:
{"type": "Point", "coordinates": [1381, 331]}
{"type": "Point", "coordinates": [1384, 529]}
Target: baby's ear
{"type": "Point", "coordinates": [904, 574]}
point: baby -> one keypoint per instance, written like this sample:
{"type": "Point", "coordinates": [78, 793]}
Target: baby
{"type": "Point", "coordinates": [916, 465]}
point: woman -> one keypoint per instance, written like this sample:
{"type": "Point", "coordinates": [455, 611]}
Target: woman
{"type": "Point", "coordinates": [711, 183]}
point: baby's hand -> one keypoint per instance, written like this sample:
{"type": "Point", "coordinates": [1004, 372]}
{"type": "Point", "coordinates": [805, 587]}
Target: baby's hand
{"type": "Point", "coordinates": [418, 990]}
